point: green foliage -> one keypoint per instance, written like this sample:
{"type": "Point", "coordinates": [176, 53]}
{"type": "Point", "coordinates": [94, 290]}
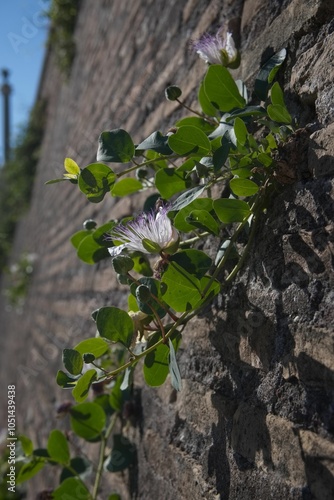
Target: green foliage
{"type": "Point", "coordinates": [63, 16]}
{"type": "Point", "coordinates": [228, 147]}
{"type": "Point", "coordinates": [17, 176]}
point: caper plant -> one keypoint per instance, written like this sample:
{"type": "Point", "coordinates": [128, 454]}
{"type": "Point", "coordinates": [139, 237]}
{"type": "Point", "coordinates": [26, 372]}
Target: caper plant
{"type": "Point", "coordinates": [227, 144]}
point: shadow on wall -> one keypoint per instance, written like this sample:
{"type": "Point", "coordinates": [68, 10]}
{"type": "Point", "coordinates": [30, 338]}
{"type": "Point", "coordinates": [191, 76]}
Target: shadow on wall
{"type": "Point", "coordinates": [269, 416]}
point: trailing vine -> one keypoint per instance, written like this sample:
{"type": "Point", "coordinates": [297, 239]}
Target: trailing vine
{"type": "Point", "coordinates": [227, 144]}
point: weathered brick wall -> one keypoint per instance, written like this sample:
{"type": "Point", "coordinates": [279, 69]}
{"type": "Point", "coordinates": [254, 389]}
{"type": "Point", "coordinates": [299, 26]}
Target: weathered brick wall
{"type": "Point", "coordinates": [255, 415]}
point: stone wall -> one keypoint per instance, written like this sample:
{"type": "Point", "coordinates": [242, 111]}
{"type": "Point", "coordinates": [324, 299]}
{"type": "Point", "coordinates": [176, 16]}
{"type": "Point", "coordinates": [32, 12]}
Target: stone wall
{"type": "Point", "coordinates": [255, 417]}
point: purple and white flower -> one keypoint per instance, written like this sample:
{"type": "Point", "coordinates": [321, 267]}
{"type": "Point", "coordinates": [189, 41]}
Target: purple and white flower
{"type": "Point", "coordinates": [149, 233]}
{"type": "Point", "coordinates": [217, 49]}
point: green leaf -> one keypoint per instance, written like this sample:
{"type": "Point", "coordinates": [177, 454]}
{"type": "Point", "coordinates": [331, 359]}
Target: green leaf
{"type": "Point", "coordinates": [243, 187]}
{"type": "Point", "coordinates": [80, 391]}
{"type": "Point", "coordinates": [126, 186]}
{"type": "Point", "coordinates": [156, 142]}
{"type": "Point", "coordinates": [141, 264]}
{"type": "Point", "coordinates": [101, 233]}
{"type": "Point", "coordinates": [170, 181]}
{"type": "Point", "coordinates": [154, 288]}
{"type": "Point", "coordinates": [206, 105]}
{"type": "Point", "coordinates": [276, 95]}
{"type": "Point", "coordinates": [221, 154]}
{"type": "Point", "coordinates": [181, 222]}
{"type": "Point", "coordinates": [123, 454]}
{"type": "Point", "coordinates": [27, 444]}
{"type": "Point", "coordinates": [240, 131]}
{"type": "Point", "coordinates": [71, 488]}
{"type": "Point", "coordinates": [72, 361]}
{"type": "Point", "coordinates": [55, 181]}
{"type": "Point", "coordinates": [115, 324]}
{"type": "Point", "coordinates": [185, 198]}
{"type": "Point", "coordinates": [279, 113]}
{"type": "Point", "coordinates": [267, 74]}
{"type": "Point", "coordinates": [116, 395]}
{"type": "Point", "coordinates": [90, 251]}
{"type": "Point", "coordinates": [173, 368]}
{"type": "Point", "coordinates": [122, 264]}
{"type": "Point", "coordinates": [266, 160]}
{"type": "Point", "coordinates": [248, 111]}
{"type": "Point", "coordinates": [77, 237]}
{"type": "Point", "coordinates": [229, 210]}
{"type": "Point", "coordinates": [64, 381]}
{"type": "Point", "coordinates": [189, 140]}
{"type": "Point", "coordinates": [88, 420]}
{"type": "Point", "coordinates": [221, 89]}
{"type": "Point", "coordinates": [71, 166]}
{"type": "Point", "coordinates": [202, 219]}
{"type": "Point", "coordinates": [58, 447]}
{"type": "Point", "coordinates": [95, 181]}
{"type": "Point", "coordinates": [156, 362]}
{"type": "Point", "coordinates": [194, 261]}
{"type": "Point", "coordinates": [196, 121]}
{"type": "Point", "coordinates": [29, 470]}
{"type": "Point", "coordinates": [115, 146]}
{"type": "Point", "coordinates": [183, 289]}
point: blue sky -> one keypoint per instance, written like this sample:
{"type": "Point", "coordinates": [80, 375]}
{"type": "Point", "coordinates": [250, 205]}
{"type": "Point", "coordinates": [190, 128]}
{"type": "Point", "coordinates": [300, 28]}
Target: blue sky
{"type": "Point", "coordinates": [23, 33]}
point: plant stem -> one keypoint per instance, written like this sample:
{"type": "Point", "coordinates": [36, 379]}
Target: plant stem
{"type": "Point", "coordinates": [101, 455]}
{"type": "Point", "coordinates": [209, 120]}
{"type": "Point", "coordinates": [145, 163]}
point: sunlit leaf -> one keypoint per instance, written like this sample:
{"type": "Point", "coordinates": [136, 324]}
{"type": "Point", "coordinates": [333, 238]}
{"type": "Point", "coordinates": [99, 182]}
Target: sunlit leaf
{"type": "Point", "coordinates": [115, 146]}
{"type": "Point", "coordinates": [87, 420]}
{"type": "Point", "coordinates": [81, 389]}
{"type": "Point", "coordinates": [230, 210]}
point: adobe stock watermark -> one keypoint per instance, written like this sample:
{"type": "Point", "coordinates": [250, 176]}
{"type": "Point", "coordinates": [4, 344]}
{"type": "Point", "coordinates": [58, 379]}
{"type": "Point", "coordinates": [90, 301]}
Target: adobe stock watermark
{"type": "Point", "coordinates": [29, 28]}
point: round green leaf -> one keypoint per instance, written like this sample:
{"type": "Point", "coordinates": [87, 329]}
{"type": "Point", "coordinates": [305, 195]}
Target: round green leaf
{"type": "Point", "coordinates": [115, 146]}
{"type": "Point", "coordinates": [156, 367]}
{"type": "Point", "coordinates": [181, 223]}
{"type": "Point", "coordinates": [240, 131]}
{"type": "Point", "coordinates": [95, 181]}
{"type": "Point", "coordinates": [202, 219]}
{"type": "Point", "coordinates": [183, 289]}
{"type": "Point", "coordinates": [72, 361]}
{"type": "Point", "coordinates": [115, 324]}
{"type": "Point", "coordinates": [64, 381]}
{"type": "Point", "coordinates": [27, 445]}
{"type": "Point", "coordinates": [189, 140]}
{"type": "Point", "coordinates": [77, 237]}
{"type": "Point", "coordinates": [267, 74]}
{"type": "Point", "coordinates": [71, 166]}
{"type": "Point", "coordinates": [87, 420]}
{"type": "Point", "coordinates": [196, 121]}
{"type": "Point", "coordinates": [279, 113]}
{"type": "Point", "coordinates": [29, 470]}
{"type": "Point", "coordinates": [90, 251]}
{"type": "Point", "coordinates": [71, 488]}
{"type": "Point", "coordinates": [94, 345]}
{"type": "Point", "coordinates": [127, 186]}
{"type": "Point", "coordinates": [243, 187]}
{"type": "Point", "coordinates": [230, 210]}
{"type": "Point", "coordinates": [170, 181]}
{"type": "Point", "coordinates": [58, 447]}
{"type": "Point", "coordinates": [81, 389]}
{"type": "Point", "coordinates": [221, 89]}
{"type": "Point", "coordinates": [155, 142]}
{"type": "Point", "coordinates": [194, 261]}
{"type": "Point", "coordinates": [206, 105]}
